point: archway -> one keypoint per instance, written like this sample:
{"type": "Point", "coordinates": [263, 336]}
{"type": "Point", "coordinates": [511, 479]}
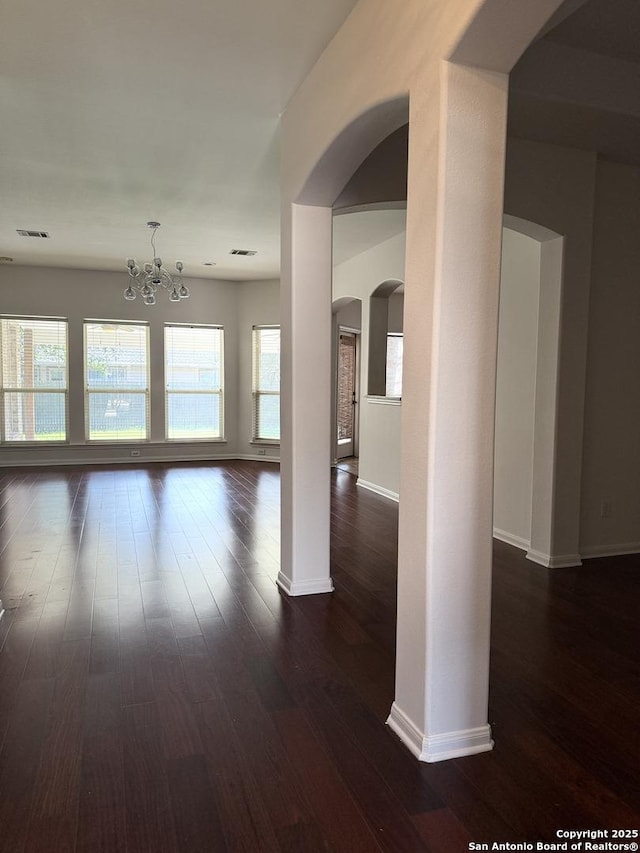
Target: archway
{"type": "Point", "coordinates": [456, 158]}
{"type": "Point", "coordinates": [306, 373]}
{"type": "Point", "coordinates": [369, 255]}
{"type": "Point", "coordinates": [525, 490]}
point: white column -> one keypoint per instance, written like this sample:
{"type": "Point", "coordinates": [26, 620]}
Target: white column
{"type": "Point", "coordinates": [305, 448]}
{"type": "Point", "coordinates": [446, 488]}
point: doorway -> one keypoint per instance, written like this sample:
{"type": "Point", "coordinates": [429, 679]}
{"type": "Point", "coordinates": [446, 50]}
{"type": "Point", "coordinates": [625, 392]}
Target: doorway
{"type": "Point", "coordinates": [347, 394]}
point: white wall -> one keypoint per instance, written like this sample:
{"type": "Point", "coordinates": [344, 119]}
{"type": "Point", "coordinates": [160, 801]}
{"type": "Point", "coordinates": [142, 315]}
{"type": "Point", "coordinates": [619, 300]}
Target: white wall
{"type": "Point", "coordinates": [596, 206]}
{"type": "Point", "coordinates": [379, 445]}
{"type": "Point", "coordinates": [516, 385]}
{"type": "Point", "coordinates": [85, 294]}
{"type": "Point", "coordinates": [350, 315]}
{"type": "Point", "coordinates": [611, 459]}
{"type": "Point", "coordinates": [554, 187]}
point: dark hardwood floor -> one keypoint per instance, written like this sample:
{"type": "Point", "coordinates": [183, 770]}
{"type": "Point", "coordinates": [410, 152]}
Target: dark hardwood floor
{"type": "Point", "coordinates": [158, 693]}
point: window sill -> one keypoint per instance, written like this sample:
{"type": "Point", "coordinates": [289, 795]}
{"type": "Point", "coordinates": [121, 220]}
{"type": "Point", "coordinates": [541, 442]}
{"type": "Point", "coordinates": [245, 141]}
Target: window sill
{"type": "Point", "coordinates": [19, 445]}
{"type": "Point", "coordinates": [265, 442]}
{"type": "Point", "coordinates": [384, 401]}
{"type": "Point", "coordinates": [191, 441]}
{"type": "Point", "coordinates": [114, 442]}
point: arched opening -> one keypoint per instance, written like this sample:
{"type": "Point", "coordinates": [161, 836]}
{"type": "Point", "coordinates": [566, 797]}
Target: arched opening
{"type": "Point", "coordinates": [526, 389]}
{"type": "Point", "coordinates": [456, 148]}
{"type": "Point", "coordinates": [369, 256]}
{"type": "Point", "coordinates": [307, 270]}
{"type": "Point", "coordinates": [571, 161]}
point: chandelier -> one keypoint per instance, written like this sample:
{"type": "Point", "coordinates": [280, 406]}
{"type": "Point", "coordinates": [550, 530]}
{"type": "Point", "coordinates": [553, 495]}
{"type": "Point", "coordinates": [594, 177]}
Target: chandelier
{"type": "Point", "coordinates": [147, 281]}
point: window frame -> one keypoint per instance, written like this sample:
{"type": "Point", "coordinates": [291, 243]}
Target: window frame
{"type": "Point", "coordinates": [35, 389]}
{"type": "Point", "coordinates": [256, 393]}
{"type": "Point", "coordinates": [220, 392]}
{"type": "Point", "coordinates": [119, 389]}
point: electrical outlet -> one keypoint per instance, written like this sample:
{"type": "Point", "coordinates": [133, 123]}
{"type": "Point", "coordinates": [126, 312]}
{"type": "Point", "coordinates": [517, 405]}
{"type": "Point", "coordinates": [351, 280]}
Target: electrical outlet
{"type": "Point", "coordinates": [606, 509]}
{"type": "Point", "coordinates": [262, 451]}
{"type": "Point", "coordinates": [135, 453]}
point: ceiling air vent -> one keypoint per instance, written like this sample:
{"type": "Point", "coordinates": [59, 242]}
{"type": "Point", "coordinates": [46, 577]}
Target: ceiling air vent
{"type": "Point", "coordinates": [244, 252]}
{"type": "Point", "coordinates": [23, 233]}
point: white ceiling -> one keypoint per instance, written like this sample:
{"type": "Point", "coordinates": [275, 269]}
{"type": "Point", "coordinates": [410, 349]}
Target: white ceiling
{"type": "Point", "coordinates": [579, 86]}
{"type": "Point", "coordinates": [607, 27]}
{"type": "Point", "coordinates": [354, 233]}
{"type": "Point", "coordinates": [115, 113]}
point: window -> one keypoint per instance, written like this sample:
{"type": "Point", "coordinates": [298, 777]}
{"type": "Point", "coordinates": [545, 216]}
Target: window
{"type": "Point", "coordinates": [393, 373]}
{"type": "Point", "coordinates": [193, 373]}
{"type": "Point", "coordinates": [116, 366]}
{"type": "Point", "coordinates": [386, 310]}
{"type": "Point", "coordinates": [266, 383]}
{"type": "Point", "coordinates": [34, 379]}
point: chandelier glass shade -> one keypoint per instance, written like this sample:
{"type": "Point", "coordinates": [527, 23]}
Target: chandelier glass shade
{"type": "Point", "coordinates": [145, 281]}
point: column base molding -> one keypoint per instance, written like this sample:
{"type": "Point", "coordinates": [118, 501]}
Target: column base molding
{"type": "Point", "coordinates": [432, 748]}
{"type": "Point", "coordinates": [312, 587]}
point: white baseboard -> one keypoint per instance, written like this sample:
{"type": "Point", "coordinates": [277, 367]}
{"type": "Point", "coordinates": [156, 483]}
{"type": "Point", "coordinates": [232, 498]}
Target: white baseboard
{"type": "Point", "coordinates": [312, 587]}
{"type": "Point", "coordinates": [619, 550]}
{"type": "Point", "coordinates": [511, 539]}
{"type": "Point", "coordinates": [379, 490]}
{"type": "Point", "coordinates": [133, 460]}
{"type": "Point", "coordinates": [559, 561]}
{"type": "Point", "coordinates": [432, 748]}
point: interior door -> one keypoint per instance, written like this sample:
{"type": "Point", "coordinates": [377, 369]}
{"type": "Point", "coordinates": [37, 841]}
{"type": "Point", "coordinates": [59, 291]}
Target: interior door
{"type": "Point", "coordinates": [346, 405]}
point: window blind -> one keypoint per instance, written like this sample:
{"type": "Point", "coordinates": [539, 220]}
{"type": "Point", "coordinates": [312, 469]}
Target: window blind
{"type": "Point", "coordinates": [266, 383]}
{"type": "Point", "coordinates": [33, 356]}
{"type": "Point", "coordinates": [194, 369]}
{"type": "Point", "coordinates": [116, 362]}
{"type": "Point", "coordinates": [395, 344]}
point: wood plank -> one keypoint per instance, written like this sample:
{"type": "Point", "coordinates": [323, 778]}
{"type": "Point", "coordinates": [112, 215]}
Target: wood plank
{"type": "Point", "coordinates": [54, 815]}
{"type": "Point", "coordinates": [20, 759]}
{"type": "Point", "coordinates": [193, 802]}
{"type": "Point", "coordinates": [336, 810]}
{"type": "Point", "coordinates": [149, 814]}
{"type": "Point", "coordinates": [243, 810]}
